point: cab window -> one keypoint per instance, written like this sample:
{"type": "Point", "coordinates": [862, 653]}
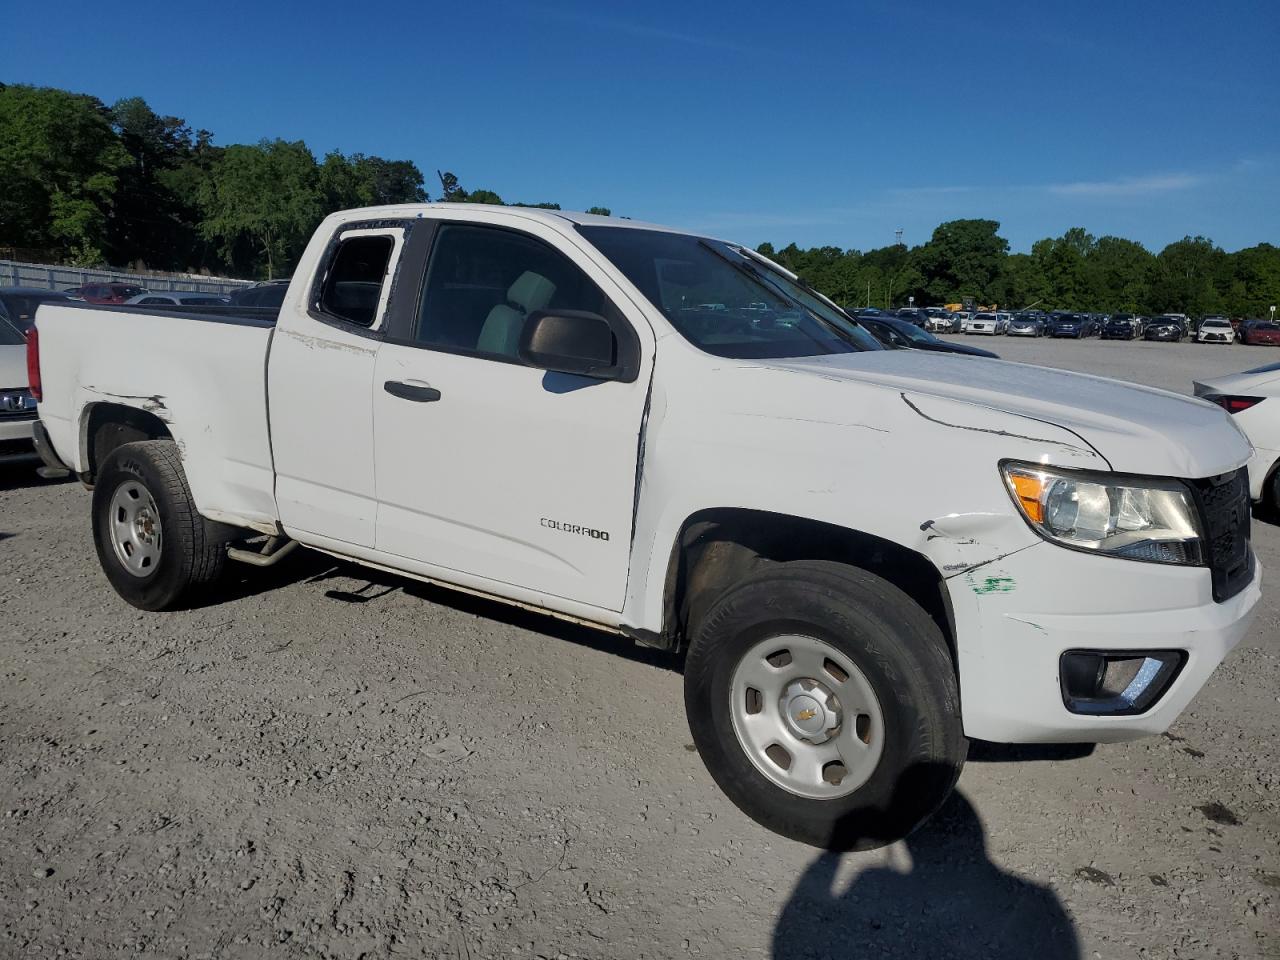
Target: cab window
{"type": "Point", "coordinates": [483, 282]}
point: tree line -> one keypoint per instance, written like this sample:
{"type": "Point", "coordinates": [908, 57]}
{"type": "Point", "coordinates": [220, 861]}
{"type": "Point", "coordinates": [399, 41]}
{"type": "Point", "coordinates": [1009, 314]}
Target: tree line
{"type": "Point", "coordinates": [88, 184]}
{"type": "Point", "coordinates": [1077, 271]}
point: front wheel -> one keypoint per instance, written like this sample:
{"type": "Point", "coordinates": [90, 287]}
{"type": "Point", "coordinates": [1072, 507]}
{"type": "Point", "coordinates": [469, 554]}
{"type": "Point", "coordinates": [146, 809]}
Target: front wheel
{"type": "Point", "coordinates": [153, 545]}
{"type": "Point", "coordinates": [824, 703]}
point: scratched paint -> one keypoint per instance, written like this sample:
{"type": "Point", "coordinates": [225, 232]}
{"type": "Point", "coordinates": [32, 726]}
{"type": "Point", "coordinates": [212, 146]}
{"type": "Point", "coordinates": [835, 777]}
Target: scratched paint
{"type": "Point", "coordinates": [992, 585]}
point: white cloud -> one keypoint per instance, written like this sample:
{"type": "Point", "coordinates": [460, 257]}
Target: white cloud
{"type": "Point", "coordinates": [1127, 186]}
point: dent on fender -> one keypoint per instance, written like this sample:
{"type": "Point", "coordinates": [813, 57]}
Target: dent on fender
{"type": "Point", "coordinates": [152, 404]}
{"type": "Point", "coordinates": [960, 543]}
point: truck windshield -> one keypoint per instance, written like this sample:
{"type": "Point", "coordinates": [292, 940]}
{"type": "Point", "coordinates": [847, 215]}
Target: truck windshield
{"type": "Point", "coordinates": [725, 301]}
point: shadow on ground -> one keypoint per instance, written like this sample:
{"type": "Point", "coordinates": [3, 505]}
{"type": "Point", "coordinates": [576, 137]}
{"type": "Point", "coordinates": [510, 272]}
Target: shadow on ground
{"type": "Point", "coordinates": [22, 474]}
{"type": "Point", "coordinates": [983, 751]}
{"type": "Point", "coordinates": [950, 901]}
{"type": "Point", "coordinates": [371, 586]}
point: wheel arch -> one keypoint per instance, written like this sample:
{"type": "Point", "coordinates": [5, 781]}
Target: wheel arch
{"type": "Point", "coordinates": [106, 425]}
{"type": "Point", "coordinates": [716, 547]}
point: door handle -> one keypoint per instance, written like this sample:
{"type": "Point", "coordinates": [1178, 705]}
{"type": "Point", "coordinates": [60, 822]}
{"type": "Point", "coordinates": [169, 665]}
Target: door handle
{"type": "Point", "coordinates": [418, 393]}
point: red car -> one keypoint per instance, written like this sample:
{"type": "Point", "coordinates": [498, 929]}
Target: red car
{"type": "Point", "coordinates": [1254, 333]}
{"type": "Point", "coordinates": [106, 292]}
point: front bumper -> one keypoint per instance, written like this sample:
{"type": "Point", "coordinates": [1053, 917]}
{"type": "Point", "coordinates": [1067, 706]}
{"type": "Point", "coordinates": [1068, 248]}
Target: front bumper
{"type": "Point", "coordinates": [1023, 332]}
{"type": "Point", "coordinates": [1016, 616]}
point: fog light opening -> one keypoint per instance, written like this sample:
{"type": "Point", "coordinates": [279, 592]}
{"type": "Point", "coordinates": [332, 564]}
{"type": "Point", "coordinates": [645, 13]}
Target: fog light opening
{"type": "Point", "coordinates": [1118, 683]}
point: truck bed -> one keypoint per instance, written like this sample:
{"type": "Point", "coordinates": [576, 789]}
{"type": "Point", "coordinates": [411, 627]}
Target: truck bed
{"type": "Point", "coordinates": [200, 371]}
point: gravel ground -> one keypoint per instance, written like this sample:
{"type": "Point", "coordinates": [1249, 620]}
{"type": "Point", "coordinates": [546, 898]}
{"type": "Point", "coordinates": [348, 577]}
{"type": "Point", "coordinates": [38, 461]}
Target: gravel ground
{"type": "Point", "coordinates": [320, 765]}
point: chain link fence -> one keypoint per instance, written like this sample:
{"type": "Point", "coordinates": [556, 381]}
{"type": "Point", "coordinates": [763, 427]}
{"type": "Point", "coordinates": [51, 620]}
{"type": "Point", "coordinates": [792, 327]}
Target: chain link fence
{"type": "Point", "coordinates": [14, 273]}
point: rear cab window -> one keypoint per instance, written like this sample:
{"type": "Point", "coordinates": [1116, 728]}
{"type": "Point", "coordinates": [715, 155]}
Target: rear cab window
{"type": "Point", "coordinates": [355, 282]}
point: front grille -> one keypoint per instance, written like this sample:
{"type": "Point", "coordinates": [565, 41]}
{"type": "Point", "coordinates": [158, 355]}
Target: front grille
{"type": "Point", "coordinates": [1225, 511]}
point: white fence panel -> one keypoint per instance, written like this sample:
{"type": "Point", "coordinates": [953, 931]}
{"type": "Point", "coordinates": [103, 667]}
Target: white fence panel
{"type": "Point", "coordinates": [14, 273]}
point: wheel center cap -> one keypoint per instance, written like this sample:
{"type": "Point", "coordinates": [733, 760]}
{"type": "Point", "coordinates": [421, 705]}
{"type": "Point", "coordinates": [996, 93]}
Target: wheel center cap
{"type": "Point", "coordinates": [810, 711]}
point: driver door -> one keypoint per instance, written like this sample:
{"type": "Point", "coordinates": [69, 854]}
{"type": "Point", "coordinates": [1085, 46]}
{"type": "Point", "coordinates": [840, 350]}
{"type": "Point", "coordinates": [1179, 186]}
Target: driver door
{"type": "Point", "coordinates": [490, 472]}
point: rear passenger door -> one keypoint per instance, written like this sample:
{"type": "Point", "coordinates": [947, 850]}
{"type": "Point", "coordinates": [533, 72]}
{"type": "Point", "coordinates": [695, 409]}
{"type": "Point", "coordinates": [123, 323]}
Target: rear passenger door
{"type": "Point", "coordinates": [491, 472]}
{"type": "Point", "coordinates": [320, 387]}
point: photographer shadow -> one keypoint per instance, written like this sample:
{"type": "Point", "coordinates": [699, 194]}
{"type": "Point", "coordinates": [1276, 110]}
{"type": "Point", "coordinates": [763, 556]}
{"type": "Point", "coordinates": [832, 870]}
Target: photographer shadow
{"type": "Point", "coordinates": [952, 902]}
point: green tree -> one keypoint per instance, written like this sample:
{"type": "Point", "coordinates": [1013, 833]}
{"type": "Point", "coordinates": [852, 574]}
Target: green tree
{"type": "Point", "coordinates": [1190, 277]}
{"type": "Point", "coordinates": [60, 163]}
{"type": "Point", "coordinates": [265, 197]}
{"type": "Point", "coordinates": [1119, 275]}
{"type": "Point", "coordinates": [962, 259]}
{"type": "Point", "coordinates": [600, 211]}
{"type": "Point", "coordinates": [149, 221]}
{"type": "Point", "coordinates": [1255, 281]}
{"type": "Point", "coordinates": [450, 190]}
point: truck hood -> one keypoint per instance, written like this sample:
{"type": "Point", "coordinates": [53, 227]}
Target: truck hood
{"type": "Point", "coordinates": [1136, 429]}
{"type": "Point", "coordinates": [13, 366]}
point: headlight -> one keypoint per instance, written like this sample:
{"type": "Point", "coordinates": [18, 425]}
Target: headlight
{"type": "Point", "coordinates": [1137, 518]}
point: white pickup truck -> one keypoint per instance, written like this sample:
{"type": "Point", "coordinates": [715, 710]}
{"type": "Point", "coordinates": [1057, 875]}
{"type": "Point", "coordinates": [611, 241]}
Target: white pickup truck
{"type": "Point", "coordinates": [865, 555]}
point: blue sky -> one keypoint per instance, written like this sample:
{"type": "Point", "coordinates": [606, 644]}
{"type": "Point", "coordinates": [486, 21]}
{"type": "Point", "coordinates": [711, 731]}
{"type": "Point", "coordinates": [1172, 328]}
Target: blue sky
{"type": "Point", "coordinates": [822, 123]}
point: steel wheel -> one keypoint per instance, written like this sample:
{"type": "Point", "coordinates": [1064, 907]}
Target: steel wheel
{"type": "Point", "coordinates": [136, 535]}
{"type": "Point", "coordinates": [806, 717]}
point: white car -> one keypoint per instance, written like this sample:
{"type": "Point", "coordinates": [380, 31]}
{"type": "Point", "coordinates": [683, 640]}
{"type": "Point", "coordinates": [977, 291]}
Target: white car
{"type": "Point", "coordinates": [985, 323]}
{"type": "Point", "coordinates": [529, 412]}
{"type": "Point", "coordinates": [1003, 319]}
{"type": "Point", "coordinates": [940, 320]}
{"type": "Point", "coordinates": [1215, 330]}
{"type": "Point", "coordinates": [17, 406]}
{"type": "Point", "coordinates": [1253, 400]}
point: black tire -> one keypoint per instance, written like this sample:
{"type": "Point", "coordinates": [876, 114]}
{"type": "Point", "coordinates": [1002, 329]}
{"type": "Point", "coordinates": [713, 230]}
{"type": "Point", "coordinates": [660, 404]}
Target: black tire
{"type": "Point", "coordinates": [903, 655]}
{"type": "Point", "coordinates": [190, 560]}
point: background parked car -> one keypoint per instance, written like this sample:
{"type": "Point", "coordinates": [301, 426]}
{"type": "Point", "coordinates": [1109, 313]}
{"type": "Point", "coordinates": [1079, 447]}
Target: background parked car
{"type": "Point", "coordinates": [18, 304]}
{"type": "Point", "coordinates": [985, 323]}
{"type": "Point", "coordinates": [17, 407]}
{"type": "Point", "coordinates": [1165, 328]}
{"type": "Point", "coordinates": [897, 332]}
{"type": "Point", "coordinates": [1119, 326]}
{"type": "Point", "coordinates": [940, 320]}
{"type": "Point", "coordinates": [917, 315]}
{"type": "Point", "coordinates": [1075, 325]}
{"type": "Point", "coordinates": [180, 298]}
{"type": "Point", "coordinates": [1253, 400]}
{"type": "Point", "coordinates": [269, 294]}
{"type": "Point", "coordinates": [1026, 325]}
{"type": "Point", "coordinates": [1260, 332]}
{"type": "Point", "coordinates": [106, 292]}
{"type": "Point", "coordinates": [1215, 330]}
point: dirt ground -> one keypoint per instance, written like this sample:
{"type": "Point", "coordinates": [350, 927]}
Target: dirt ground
{"type": "Point", "coordinates": [325, 765]}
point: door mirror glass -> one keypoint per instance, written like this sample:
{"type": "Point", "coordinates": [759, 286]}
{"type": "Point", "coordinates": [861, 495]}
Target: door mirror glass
{"type": "Point", "coordinates": [570, 341]}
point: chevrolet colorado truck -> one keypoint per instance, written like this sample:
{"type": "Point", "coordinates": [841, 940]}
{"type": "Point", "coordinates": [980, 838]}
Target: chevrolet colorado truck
{"type": "Point", "coordinates": [670, 437]}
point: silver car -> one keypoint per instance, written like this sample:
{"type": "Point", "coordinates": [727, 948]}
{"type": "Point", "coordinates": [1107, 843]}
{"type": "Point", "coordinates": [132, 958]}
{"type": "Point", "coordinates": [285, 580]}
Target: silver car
{"type": "Point", "coordinates": [179, 298]}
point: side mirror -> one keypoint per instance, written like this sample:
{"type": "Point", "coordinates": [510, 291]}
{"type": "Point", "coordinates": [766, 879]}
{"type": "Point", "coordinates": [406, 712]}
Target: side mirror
{"type": "Point", "coordinates": [572, 341]}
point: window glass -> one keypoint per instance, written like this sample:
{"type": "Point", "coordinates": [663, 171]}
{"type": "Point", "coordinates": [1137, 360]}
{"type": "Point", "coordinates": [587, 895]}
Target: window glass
{"type": "Point", "coordinates": [725, 301]}
{"type": "Point", "coordinates": [10, 336]}
{"type": "Point", "coordinates": [483, 282]}
{"type": "Point", "coordinates": [353, 284]}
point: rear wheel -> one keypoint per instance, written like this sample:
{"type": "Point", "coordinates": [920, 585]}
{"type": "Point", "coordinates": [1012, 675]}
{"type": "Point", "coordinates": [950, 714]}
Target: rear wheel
{"type": "Point", "coordinates": [824, 703]}
{"type": "Point", "coordinates": [153, 546]}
